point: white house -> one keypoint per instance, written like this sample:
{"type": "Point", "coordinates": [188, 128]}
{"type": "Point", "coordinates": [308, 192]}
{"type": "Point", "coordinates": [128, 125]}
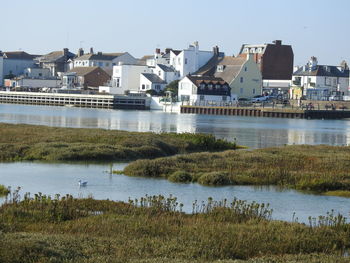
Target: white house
{"type": "Point", "coordinates": [166, 73]}
{"type": "Point", "coordinates": [204, 90]}
{"type": "Point", "coordinates": [150, 81]}
{"type": "Point", "coordinates": [1, 69]}
{"type": "Point", "coordinates": [106, 61]}
{"type": "Point", "coordinates": [321, 82]}
{"type": "Point", "coordinates": [189, 60]}
{"type": "Point", "coordinates": [158, 58]}
{"type": "Point", "coordinates": [37, 73]}
{"type": "Point", "coordinates": [125, 78]}
{"type": "Point", "coordinates": [15, 62]}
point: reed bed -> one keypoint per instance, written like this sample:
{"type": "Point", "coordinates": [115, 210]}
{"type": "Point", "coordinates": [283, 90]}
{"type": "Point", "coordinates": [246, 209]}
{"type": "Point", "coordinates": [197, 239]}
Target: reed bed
{"type": "Point", "coordinates": [41, 228]}
{"type": "Point", "coordinates": [319, 168]}
{"type": "Point", "coordinates": [29, 142]}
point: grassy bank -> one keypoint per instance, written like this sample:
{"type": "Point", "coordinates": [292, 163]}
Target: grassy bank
{"type": "Point", "coordinates": [309, 168]}
{"type": "Point", "coordinates": [152, 229]}
{"type": "Point", "coordinates": [29, 142]}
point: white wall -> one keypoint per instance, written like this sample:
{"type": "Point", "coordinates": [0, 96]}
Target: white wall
{"type": "Point", "coordinates": [37, 72]}
{"type": "Point", "coordinates": [190, 60]}
{"type": "Point", "coordinates": [16, 66]}
{"type": "Point", "coordinates": [1, 71]}
{"type": "Point", "coordinates": [39, 83]}
{"type": "Point", "coordinates": [129, 77]}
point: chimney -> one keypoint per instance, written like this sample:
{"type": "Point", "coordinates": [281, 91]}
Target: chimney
{"type": "Point", "coordinates": [167, 50]}
{"type": "Point", "coordinates": [99, 53]}
{"type": "Point", "coordinates": [278, 42]}
{"type": "Point", "coordinates": [157, 50]}
{"type": "Point", "coordinates": [65, 54]}
{"type": "Point", "coordinates": [91, 50]}
{"type": "Point", "coordinates": [216, 50]}
{"type": "Point", "coordinates": [80, 52]}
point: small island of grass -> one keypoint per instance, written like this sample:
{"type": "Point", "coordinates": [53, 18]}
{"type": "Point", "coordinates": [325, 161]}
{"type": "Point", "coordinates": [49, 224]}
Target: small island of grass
{"type": "Point", "coordinates": [30, 142]}
{"type": "Point", "coordinates": [320, 169]}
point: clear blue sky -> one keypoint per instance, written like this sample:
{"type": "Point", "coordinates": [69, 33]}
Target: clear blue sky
{"type": "Point", "coordinates": [313, 27]}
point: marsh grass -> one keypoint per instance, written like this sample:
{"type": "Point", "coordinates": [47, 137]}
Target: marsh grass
{"type": "Point", "coordinates": [308, 168]}
{"type": "Point", "coordinates": [41, 228]}
{"type": "Point", "coordinates": [29, 142]}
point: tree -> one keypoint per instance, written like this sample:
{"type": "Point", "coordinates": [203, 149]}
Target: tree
{"type": "Point", "coordinates": [173, 87]}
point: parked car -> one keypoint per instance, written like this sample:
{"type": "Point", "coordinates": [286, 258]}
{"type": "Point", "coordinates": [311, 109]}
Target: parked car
{"type": "Point", "coordinates": [260, 98]}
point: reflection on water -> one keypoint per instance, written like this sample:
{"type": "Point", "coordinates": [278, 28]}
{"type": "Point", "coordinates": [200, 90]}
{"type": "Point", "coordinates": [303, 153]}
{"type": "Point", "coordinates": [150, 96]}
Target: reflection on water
{"type": "Point", "coordinates": [250, 131]}
{"type": "Point", "coordinates": [63, 178]}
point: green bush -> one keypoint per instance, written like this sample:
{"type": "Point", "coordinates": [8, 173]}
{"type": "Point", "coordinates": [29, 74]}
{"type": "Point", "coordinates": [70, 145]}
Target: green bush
{"type": "Point", "coordinates": [3, 190]}
{"type": "Point", "coordinates": [214, 178]}
{"type": "Point", "coordinates": [180, 177]}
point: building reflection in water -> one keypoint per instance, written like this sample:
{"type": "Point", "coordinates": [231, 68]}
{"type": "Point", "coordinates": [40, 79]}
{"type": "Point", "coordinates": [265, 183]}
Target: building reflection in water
{"type": "Point", "coordinates": [249, 131]}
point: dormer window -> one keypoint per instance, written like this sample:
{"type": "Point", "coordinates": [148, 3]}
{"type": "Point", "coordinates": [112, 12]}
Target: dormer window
{"type": "Point", "coordinates": [217, 86]}
{"type": "Point", "coordinates": [220, 68]}
{"type": "Point", "coordinates": [210, 86]}
{"type": "Point", "coordinates": [202, 86]}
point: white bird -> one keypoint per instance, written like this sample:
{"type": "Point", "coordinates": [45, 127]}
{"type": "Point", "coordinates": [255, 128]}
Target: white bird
{"type": "Point", "coordinates": [82, 183]}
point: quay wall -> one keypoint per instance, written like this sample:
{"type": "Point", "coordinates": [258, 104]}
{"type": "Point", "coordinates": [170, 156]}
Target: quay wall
{"type": "Point", "coordinates": [75, 100]}
{"type": "Point", "coordinates": [267, 112]}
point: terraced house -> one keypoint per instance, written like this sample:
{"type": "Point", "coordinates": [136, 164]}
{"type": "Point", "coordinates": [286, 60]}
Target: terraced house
{"type": "Point", "coordinates": [320, 82]}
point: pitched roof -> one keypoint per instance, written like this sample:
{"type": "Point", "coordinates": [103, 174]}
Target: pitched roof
{"type": "Point", "coordinates": [153, 78]}
{"type": "Point", "coordinates": [82, 71]}
{"type": "Point", "coordinates": [165, 68]}
{"type": "Point", "coordinates": [18, 55]}
{"type": "Point", "coordinates": [100, 56]}
{"type": "Point", "coordinates": [55, 56]}
{"type": "Point", "coordinates": [176, 52]}
{"type": "Point", "coordinates": [231, 67]}
{"type": "Point", "coordinates": [322, 71]}
{"type": "Point", "coordinates": [197, 80]}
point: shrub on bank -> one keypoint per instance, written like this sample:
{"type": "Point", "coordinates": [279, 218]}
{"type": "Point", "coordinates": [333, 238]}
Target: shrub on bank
{"type": "Point", "coordinates": [214, 178]}
{"type": "Point", "coordinates": [180, 177]}
{"type": "Point", "coordinates": [3, 190]}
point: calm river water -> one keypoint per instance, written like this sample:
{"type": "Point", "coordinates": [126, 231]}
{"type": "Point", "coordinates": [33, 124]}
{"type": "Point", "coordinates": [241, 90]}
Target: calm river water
{"type": "Point", "coordinates": [250, 131]}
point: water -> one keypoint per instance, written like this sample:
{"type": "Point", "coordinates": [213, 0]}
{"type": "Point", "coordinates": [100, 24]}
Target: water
{"type": "Point", "coordinates": [250, 131]}
{"type": "Point", "coordinates": [254, 132]}
{"type": "Point", "coordinates": [63, 178]}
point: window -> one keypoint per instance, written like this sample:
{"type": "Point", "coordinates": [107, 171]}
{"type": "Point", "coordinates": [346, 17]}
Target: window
{"type": "Point", "coordinates": [40, 74]}
{"type": "Point", "coordinates": [159, 73]}
{"type": "Point", "coordinates": [224, 98]}
{"type": "Point", "coordinates": [185, 97]}
{"type": "Point", "coordinates": [157, 87]}
{"type": "Point", "coordinates": [201, 97]}
{"type": "Point", "coordinates": [118, 82]}
{"type": "Point", "coordinates": [210, 86]}
{"type": "Point", "coordinates": [241, 80]}
{"type": "Point", "coordinates": [143, 86]}
{"type": "Point", "coordinates": [241, 90]}
{"type": "Point", "coordinates": [217, 86]}
{"type": "Point", "coordinates": [107, 64]}
{"type": "Point", "coordinates": [100, 64]}
{"type": "Point", "coordinates": [245, 68]}
{"type": "Point", "coordinates": [220, 68]}
{"type": "Point", "coordinates": [253, 91]}
{"type": "Point", "coordinates": [185, 60]}
{"type": "Point", "coordinates": [202, 86]}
